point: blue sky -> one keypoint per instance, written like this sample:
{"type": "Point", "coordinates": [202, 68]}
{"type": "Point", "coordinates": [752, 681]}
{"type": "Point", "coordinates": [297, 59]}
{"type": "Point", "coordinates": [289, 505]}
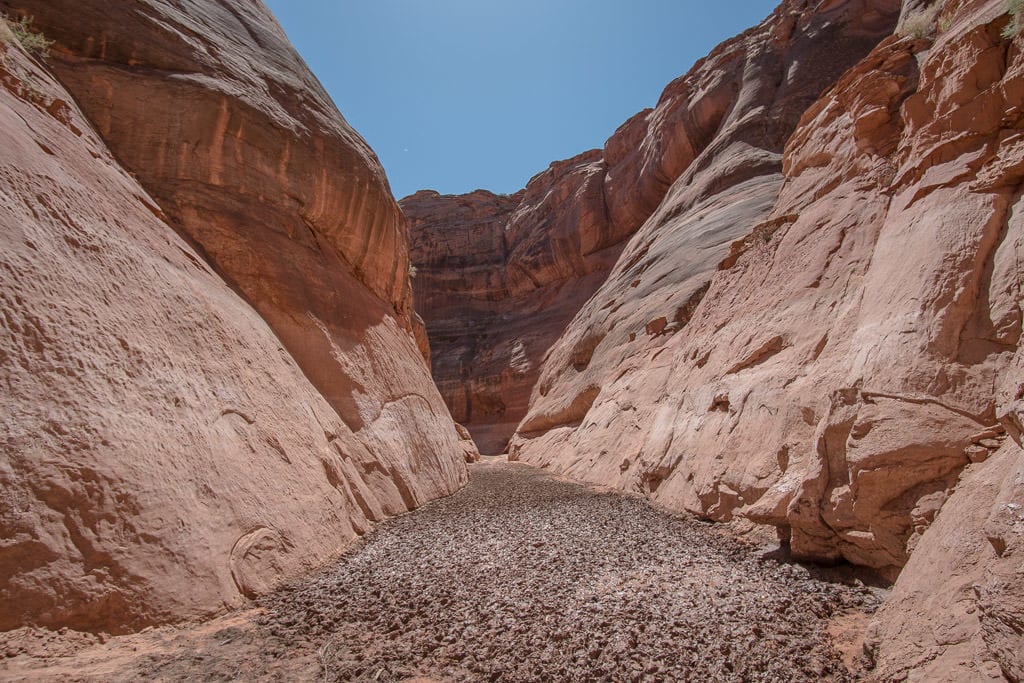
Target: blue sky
{"type": "Point", "coordinates": [455, 95]}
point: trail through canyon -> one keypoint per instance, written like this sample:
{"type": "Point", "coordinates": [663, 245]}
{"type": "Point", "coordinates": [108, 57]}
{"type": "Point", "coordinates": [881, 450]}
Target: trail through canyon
{"type": "Point", "coordinates": [518, 577]}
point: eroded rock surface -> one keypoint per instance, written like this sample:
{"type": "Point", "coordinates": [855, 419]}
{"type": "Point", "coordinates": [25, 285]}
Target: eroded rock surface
{"type": "Point", "coordinates": [165, 451]}
{"type": "Point", "coordinates": [830, 354]}
{"type": "Point", "coordinates": [852, 354]}
{"type": "Point", "coordinates": [498, 278]}
{"type": "Point", "coordinates": [956, 611]}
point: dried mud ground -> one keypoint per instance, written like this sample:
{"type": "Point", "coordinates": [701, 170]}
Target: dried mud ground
{"type": "Point", "coordinates": [518, 577]}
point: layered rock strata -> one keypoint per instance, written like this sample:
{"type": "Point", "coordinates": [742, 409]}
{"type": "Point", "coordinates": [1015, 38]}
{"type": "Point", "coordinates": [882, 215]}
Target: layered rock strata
{"type": "Point", "coordinates": [499, 277]}
{"type": "Point", "coordinates": [849, 370]}
{"type": "Point", "coordinates": [210, 377]}
{"type": "Point", "coordinates": [853, 352]}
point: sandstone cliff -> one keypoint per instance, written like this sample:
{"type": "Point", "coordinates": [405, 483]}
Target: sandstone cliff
{"type": "Point", "coordinates": [495, 291]}
{"type": "Point", "coordinates": [833, 353]}
{"type": "Point", "coordinates": [210, 377]}
{"type": "Point", "coordinates": [499, 278]}
{"type": "Point", "coordinates": [852, 362]}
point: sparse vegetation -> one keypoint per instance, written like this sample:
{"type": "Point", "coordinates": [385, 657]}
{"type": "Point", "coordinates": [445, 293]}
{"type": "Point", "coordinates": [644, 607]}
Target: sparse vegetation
{"type": "Point", "coordinates": [922, 24]}
{"type": "Point", "coordinates": [6, 35]}
{"type": "Point", "coordinates": [412, 271]}
{"type": "Point", "coordinates": [1014, 8]}
{"type": "Point", "coordinates": [323, 655]}
{"type": "Point", "coordinates": [33, 41]}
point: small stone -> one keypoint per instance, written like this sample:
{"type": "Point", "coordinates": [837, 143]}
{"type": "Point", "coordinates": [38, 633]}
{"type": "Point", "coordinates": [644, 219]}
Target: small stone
{"type": "Point", "coordinates": [977, 453]}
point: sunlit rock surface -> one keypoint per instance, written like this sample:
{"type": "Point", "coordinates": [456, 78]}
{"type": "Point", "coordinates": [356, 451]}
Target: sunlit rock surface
{"type": "Point", "coordinates": [210, 377]}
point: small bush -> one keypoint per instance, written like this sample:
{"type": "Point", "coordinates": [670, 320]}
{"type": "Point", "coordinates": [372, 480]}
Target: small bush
{"type": "Point", "coordinates": [1015, 8]}
{"type": "Point", "coordinates": [6, 35]}
{"type": "Point", "coordinates": [33, 41]}
{"type": "Point", "coordinates": [412, 271]}
{"type": "Point", "coordinates": [922, 24]}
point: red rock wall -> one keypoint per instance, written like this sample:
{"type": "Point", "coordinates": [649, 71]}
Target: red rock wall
{"type": "Point", "coordinates": [823, 337]}
{"type": "Point", "coordinates": [852, 354]}
{"type": "Point", "coordinates": [957, 610]}
{"type": "Point", "coordinates": [850, 369]}
{"type": "Point", "coordinates": [489, 322]}
{"type": "Point", "coordinates": [499, 278]}
{"type": "Point", "coordinates": [210, 377]}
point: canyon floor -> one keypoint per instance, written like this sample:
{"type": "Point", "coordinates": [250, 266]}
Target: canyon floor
{"type": "Point", "coordinates": [518, 577]}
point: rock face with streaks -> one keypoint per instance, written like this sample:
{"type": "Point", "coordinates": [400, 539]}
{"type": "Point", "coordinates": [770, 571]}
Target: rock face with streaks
{"type": "Point", "coordinates": [499, 278]}
{"type": "Point", "coordinates": [851, 362]}
{"type": "Point", "coordinates": [496, 289]}
{"type": "Point", "coordinates": [211, 380]}
{"type": "Point", "coordinates": [957, 610]}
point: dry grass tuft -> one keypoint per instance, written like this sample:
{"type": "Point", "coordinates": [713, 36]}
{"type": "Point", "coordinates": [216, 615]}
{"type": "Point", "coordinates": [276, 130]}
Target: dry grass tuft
{"type": "Point", "coordinates": [1015, 8]}
{"type": "Point", "coordinates": [922, 24]}
{"type": "Point", "coordinates": [34, 42]}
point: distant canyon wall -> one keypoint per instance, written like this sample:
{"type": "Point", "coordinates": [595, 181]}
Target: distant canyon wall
{"type": "Point", "coordinates": [211, 376]}
{"type": "Point", "coordinates": [498, 278]}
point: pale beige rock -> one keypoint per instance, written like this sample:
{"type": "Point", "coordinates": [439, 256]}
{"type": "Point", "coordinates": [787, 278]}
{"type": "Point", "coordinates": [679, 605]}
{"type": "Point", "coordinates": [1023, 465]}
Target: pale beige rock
{"type": "Point", "coordinates": [162, 454]}
{"type": "Point", "coordinates": [956, 611]}
{"type": "Point", "coordinates": [469, 450]}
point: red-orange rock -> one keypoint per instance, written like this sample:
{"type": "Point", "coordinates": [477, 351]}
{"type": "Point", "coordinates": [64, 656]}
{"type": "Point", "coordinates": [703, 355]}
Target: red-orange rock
{"type": "Point", "coordinates": [834, 378]}
{"type": "Point", "coordinates": [165, 452]}
{"type": "Point", "coordinates": [499, 278]}
{"type": "Point", "coordinates": [495, 292]}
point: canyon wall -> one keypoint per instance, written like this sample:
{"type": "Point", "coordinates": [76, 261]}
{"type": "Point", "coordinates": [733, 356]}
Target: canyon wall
{"type": "Point", "coordinates": [499, 277]}
{"type": "Point", "coordinates": [851, 365]}
{"type": "Point", "coordinates": [488, 323]}
{"type": "Point", "coordinates": [835, 374]}
{"type": "Point", "coordinates": [211, 380]}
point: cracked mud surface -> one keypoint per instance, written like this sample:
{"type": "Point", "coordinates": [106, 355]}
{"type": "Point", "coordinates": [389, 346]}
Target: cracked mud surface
{"type": "Point", "coordinates": [519, 577]}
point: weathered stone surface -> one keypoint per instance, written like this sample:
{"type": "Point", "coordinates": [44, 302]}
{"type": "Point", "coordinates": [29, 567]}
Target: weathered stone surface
{"type": "Point", "coordinates": [250, 159]}
{"type": "Point", "coordinates": [469, 449]}
{"type": "Point", "coordinates": [498, 278]}
{"type": "Point", "coordinates": [836, 375]}
{"type": "Point", "coordinates": [163, 453]}
{"type": "Point", "coordinates": [957, 611]}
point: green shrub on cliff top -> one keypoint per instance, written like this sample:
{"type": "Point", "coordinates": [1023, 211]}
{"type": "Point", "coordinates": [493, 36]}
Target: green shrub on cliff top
{"type": "Point", "coordinates": [1015, 8]}
{"type": "Point", "coordinates": [33, 41]}
{"type": "Point", "coordinates": [920, 24]}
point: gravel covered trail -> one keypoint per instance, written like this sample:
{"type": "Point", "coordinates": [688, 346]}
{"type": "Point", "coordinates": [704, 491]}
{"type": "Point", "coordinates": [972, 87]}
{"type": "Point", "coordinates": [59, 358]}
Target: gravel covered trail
{"type": "Point", "coordinates": [523, 577]}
